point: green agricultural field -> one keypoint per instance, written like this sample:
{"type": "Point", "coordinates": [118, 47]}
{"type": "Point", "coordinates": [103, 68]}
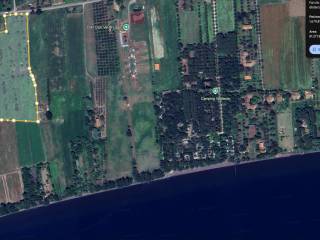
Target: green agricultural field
{"type": "Point", "coordinates": [119, 162]}
{"type": "Point", "coordinates": [17, 94]}
{"type": "Point", "coordinates": [144, 123]}
{"type": "Point", "coordinates": [57, 177]}
{"type": "Point", "coordinates": [225, 16]}
{"type": "Point", "coordinates": [211, 34]}
{"type": "Point", "coordinates": [206, 22]}
{"type": "Point", "coordinates": [189, 24]}
{"type": "Point", "coordinates": [30, 149]}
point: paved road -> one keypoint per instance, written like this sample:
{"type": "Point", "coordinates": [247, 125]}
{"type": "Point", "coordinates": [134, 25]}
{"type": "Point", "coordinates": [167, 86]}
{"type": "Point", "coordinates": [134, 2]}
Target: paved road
{"type": "Point", "coordinates": [58, 6]}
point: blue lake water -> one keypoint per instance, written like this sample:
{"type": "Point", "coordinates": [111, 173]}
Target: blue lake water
{"type": "Point", "coordinates": [275, 199]}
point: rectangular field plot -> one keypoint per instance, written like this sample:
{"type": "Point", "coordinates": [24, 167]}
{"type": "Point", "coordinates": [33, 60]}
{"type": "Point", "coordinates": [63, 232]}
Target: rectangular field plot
{"type": "Point", "coordinates": [8, 148]}
{"type": "Point", "coordinates": [30, 148]}
{"type": "Point", "coordinates": [283, 46]}
{"type": "Point", "coordinates": [3, 196]}
{"type": "Point", "coordinates": [168, 77]}
{"type": "Point", "coordinates": [190, 27]}
{"type": "Point", "coordinates": [14, 186]}
{"type": "Point", "coordinates": [11, 187]}
{"type": "Point", "coordinates": [225, 16]}
{"type": "Point", "coordinates": [17, 90]}
{"type": "Point", "coordinates": [144, 124]}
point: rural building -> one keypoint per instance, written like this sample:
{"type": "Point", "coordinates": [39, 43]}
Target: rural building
{"type": "Point", "coordinates": [137, 17]}
{"type": "Point", "coordinates": [157, 66]}
{"type": "Point", "coordinates": [262, 147]}
{"type": "Point", "coordinates": [247, 27]}
{"type": "Point", "coordinates": [270, 99]}
{"type": "Point", "coordinates": [295, 96]}
{"type": "Point", "coordinates": [124, 39]}
{"type": "Point", "coordinates": [247, 77]}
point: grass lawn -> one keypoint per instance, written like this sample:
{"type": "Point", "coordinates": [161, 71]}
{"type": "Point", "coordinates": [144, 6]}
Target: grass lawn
{"type": "Point", "coordinates": [285, 129]}
{"type": "Point", "coordinates": [119, 162]}
{"type": "Point", "coordinates": [144, 123]}
{"type": "Point", "coordinates": [138, 32]}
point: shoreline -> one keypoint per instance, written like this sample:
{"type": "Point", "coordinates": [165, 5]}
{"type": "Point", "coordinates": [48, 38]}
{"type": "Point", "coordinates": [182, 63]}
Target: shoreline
{"type": "Point", "coordinates": [169, 175]}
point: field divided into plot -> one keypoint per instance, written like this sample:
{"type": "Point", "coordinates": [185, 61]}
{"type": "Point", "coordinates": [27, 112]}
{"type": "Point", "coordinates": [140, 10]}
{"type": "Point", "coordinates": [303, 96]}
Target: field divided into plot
{"type": "Point", "coordinates": [11, 188]}
{"type": "Point", "coordinates": [196, 25]}
{"type": "Point", "coordinates": [18, 92]}
{"type": "Point", "coordinates": [57, 40]}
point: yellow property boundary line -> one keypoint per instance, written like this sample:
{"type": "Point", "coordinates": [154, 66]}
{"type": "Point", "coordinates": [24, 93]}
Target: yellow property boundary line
{"type": "Point", "coordinates": [6, 31]}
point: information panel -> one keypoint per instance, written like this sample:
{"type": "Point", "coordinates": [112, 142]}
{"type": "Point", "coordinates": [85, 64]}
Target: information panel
{"type": "Point", "coordinates": [313, 28]}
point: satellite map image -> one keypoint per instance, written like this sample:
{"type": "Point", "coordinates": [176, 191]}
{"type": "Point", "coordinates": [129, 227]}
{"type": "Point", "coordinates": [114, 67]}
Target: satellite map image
{"type": "Point", "coordinates": [99, 95]}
